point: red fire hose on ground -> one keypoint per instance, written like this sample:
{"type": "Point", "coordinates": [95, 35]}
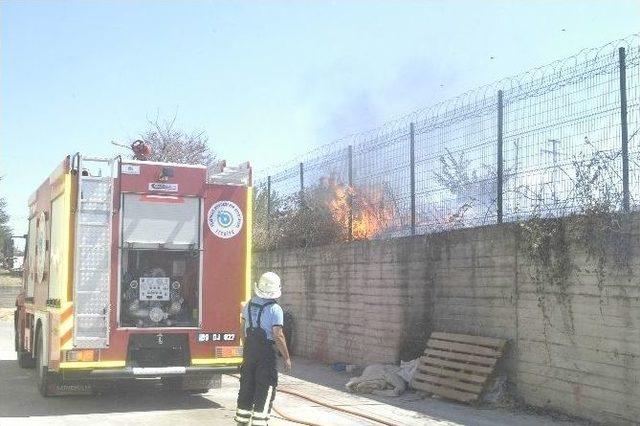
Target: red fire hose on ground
{"type": "Point", "coordinates": [324, 404]}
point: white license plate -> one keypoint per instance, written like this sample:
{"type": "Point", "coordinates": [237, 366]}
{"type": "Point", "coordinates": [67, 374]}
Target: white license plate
{"type": "Point", "coordinates": [147, 371]}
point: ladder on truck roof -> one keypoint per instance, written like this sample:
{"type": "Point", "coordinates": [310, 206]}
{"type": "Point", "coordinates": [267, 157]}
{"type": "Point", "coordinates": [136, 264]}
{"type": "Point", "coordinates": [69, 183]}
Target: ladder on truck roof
{"type": "Point", "coordinates": [221, 174]}
{"type": "Point", "coordinates": [92, 264]}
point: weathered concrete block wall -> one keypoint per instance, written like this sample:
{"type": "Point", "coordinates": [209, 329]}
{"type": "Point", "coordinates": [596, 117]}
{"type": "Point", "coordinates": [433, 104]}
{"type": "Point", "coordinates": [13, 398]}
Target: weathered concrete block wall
{"type": "Point", "coordinates": [574, 340]}
{"type": "Point", "coordinates": [355, 302]}
{"type": "Point", "coordinates": [474, 287]}
{"type": "Point", "coordinates": [578, 347]}
{"type": "Point", "coordinates": [8, 294]}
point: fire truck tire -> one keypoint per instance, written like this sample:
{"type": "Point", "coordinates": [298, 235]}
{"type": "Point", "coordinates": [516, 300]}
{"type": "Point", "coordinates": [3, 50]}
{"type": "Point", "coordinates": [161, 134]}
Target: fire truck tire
{"type": "Point", "coordinates": [25, 360]}
{"type": "Point", "coordinates": [44, 377]}
{"type": "Point", "coordinates": [197, 391]}
{"type": "Point", "coordinates": [172, 384]}
{"type": "Point", "coordinates": [16, 340]}
{"type": "Point", "coordinates": [178, 384]}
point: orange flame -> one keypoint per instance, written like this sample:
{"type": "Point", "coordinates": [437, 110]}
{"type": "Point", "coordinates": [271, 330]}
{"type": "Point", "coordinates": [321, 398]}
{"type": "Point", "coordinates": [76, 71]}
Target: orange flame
{"type": "Point", "coordinates": [372, 214]}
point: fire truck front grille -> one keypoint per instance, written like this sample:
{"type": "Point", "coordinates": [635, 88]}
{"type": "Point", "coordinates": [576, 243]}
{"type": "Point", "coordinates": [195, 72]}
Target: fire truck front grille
{"type": "Point", "coordinates": [158, 350]}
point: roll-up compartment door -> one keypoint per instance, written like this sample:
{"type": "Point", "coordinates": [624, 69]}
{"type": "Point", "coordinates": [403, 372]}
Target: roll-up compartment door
{"type": "Point", "coordinates": [153, 220]}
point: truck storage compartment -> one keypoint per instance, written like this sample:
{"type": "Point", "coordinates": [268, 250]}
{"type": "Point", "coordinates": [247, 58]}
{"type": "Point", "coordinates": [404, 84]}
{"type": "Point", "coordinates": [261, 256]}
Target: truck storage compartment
{"type": "Point", "coordinates": [159, 288]}
{"type": "Point", "coordinates": [158, 350]}
{"type": "Point", "coordinates": [160, 261]}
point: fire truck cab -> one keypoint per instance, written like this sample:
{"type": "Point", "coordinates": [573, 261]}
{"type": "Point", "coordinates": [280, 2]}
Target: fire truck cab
{"type": "Point", "coordinates": [135, 270]}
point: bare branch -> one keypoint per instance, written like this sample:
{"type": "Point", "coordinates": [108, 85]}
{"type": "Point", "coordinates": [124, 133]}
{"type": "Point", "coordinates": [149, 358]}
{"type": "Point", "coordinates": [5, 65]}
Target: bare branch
{"type": "Point", "coordinates": [169, 144]}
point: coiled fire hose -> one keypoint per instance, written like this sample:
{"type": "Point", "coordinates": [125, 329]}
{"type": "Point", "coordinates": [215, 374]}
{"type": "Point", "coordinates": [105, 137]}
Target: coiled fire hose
{"type": "Point", "coordinates": [325, 404]}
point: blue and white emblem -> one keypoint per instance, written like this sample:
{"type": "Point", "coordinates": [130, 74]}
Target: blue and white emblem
{"type": "Point", "coordinates": [225, 219]}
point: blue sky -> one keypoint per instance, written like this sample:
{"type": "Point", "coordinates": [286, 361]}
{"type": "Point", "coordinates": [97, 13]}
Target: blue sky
{"type": "Point", "coordinates": [267, 81]}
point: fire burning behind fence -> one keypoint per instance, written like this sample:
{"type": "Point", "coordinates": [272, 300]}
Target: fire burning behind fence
{"type": "Point", "coordinates": [372, 209]}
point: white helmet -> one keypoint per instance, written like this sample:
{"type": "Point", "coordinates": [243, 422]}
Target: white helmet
{"type": "Point", "coordinates": [268, 286]}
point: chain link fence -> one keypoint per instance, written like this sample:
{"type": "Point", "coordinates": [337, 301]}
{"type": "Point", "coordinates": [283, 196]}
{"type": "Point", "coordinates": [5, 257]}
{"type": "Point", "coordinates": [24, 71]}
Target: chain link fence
{"type": "Point", "coordinates": [545, 143]}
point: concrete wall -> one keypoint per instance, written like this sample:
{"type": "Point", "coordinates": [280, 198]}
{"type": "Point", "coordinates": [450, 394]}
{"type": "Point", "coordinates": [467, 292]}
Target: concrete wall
{"type": "Point", "coordinates": [8, 295]}
{"type": "Point", "coordinates": [574, 343]}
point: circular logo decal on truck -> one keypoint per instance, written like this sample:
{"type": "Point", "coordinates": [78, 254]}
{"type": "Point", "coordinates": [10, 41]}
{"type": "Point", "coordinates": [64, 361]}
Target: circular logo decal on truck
{"type": "Point", "coordinates": [225, 219]}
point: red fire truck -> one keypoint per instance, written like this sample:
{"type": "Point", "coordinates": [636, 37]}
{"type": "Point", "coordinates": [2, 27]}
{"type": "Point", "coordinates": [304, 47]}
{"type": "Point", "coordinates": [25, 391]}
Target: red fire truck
{"type": "Point", "coordinates": [135, 269]}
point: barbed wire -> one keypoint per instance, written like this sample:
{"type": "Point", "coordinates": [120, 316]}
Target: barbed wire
{"type": "Point", "coordinates": [438, 168]}
{"type": "Point", "coordinates": [537, 80]}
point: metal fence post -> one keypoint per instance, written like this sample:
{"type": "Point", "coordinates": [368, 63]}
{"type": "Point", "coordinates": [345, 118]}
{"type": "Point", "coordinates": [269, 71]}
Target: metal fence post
{"type": "Point", "coordinates": [268, 207]}
{"type": "Point", "coordinates": [412, 174]}
{"type": "Point", "coordinates": [350, 198]}
{"type": "Point", "coordinates": [624, 129]}
{"type": "Point", "coordinates": [301, 184]}
{"type": "Point", "coordinates": [500, 177]}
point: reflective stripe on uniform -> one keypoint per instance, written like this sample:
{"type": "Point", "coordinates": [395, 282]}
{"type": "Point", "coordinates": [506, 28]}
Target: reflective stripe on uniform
{"type": "Point", "coordinates": [244, 420]}
{"type": "Point", "coordinates": [267, 403]}
{"type": "Point", "coordinates": [257, 422]}
{"type": "Point", "coordinates": [242, 416]}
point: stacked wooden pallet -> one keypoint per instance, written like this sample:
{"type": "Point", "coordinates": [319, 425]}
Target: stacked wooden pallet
{"type": "Point", "coordinates": [457, 366]}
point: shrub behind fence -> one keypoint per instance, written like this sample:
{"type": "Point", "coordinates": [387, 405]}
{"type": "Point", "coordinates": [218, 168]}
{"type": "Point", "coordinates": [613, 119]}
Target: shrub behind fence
{"type": "Point", "coordinates": [550, 142]}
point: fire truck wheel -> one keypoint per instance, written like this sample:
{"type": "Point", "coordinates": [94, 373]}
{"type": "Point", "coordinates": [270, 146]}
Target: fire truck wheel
{"type": "Point", "coordinates": [15, 331]}
{"type": "Point", "coordinates": [172, 384]}
{"type": "Point", "coordinates": [178, 384]}
{"type": "Point", "coordinates": [197, 391]}
{"type": "Point", "coordinates": [43, 371]}
{"type": "Point", "coordinates": [25, 360]}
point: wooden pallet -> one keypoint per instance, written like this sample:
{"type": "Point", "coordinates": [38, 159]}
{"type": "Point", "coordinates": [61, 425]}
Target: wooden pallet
{"type": "Point", "coordinates": [457, 366]}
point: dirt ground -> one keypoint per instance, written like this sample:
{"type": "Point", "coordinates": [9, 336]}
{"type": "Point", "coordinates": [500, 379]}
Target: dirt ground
{"type": "Point", "coordinates": [144, 404]}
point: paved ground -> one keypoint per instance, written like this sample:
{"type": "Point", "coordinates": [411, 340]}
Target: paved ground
{"type": "Point", "coordinates": [20, 404]}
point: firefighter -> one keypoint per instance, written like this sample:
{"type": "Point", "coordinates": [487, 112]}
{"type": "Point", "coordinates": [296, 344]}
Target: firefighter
{"type": "Point", "coordinates": [262, 321]}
